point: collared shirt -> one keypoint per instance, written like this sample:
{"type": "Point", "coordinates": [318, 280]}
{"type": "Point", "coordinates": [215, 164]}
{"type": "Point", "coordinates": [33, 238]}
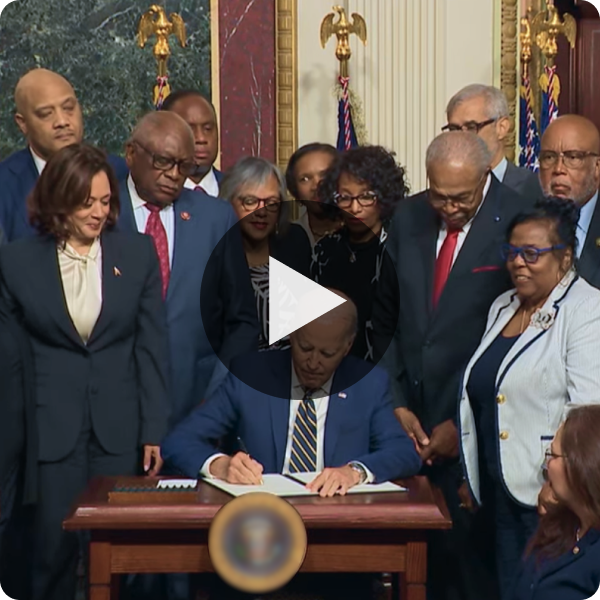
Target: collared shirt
{"type": "Point", "coordinates": [465, 230]}
{"type": "Point", "coordinates": [141, 214]}
{"type": "Point", "coordinates": [208, 183]}
{"type": "Point", "coordinates": [321, 400]}
{"type": "Point", "coordinates": [585, 218]}
{"type": "Point", "coordinates": [40, 163]}
{"type": "Point", "coordinates": [500, 169]}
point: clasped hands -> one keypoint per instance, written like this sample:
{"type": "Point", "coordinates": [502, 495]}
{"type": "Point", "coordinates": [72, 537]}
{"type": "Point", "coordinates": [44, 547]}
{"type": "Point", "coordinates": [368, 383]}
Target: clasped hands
{"type": "Point", "coordinates": [242, 469]}
{"type": "Point", "coordinates": [440, 446]}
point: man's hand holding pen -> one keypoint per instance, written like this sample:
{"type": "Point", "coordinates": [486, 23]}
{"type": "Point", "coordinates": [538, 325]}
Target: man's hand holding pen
{"type": "Point", "coordinates": [239, 468]}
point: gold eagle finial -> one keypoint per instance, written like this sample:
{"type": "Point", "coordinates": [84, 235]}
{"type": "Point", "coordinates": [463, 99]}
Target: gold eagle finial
{"type": "Point", "coordinates": [155, 22]}
{"type": "Point", "coordinates": [548, 26]}
{"type": "Point", "coordinates": [342, 29]}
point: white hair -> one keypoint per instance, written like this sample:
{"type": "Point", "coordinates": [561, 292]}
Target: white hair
{"type": "Point", "coordinates": [495, 100]}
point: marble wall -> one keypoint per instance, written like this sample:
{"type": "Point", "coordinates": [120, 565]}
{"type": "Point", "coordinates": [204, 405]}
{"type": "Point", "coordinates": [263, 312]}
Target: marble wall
{"type": "Point", "coordinates": [92, 43]}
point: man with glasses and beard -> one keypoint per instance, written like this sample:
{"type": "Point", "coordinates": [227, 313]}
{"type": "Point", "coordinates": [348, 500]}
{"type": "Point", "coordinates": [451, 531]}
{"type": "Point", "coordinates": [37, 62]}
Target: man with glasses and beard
{"type": "Point", "coordinates": [570, 169]}
{"type": "Point", "coordinates": [483, 109]}
{"type": "Point", "coordinates": [445, 245]}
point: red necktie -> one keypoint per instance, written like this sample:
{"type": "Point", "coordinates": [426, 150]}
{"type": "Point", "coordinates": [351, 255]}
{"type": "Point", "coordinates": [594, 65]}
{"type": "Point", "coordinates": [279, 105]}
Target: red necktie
{"type": "Point", "coordinates": [199, 188]}
{"type": "Point", "coordinates": [156, 229]}
{"type": "Point", "coordinates": [443, 264]}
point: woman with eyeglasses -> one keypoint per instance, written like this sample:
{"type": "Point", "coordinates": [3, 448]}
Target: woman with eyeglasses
{"type": "Point", "coordinates": [562, 561]}
{"type": "Point", "coordinates": [364, 185]}
{"type": "Point", "coordinates": [256, 189]}
{"type": "Point", "coordinates": [540, 355]}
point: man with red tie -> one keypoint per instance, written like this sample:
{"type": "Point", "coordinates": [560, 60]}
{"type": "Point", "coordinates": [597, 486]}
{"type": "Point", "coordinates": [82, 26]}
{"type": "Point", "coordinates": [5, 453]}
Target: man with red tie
{"type": "Point", "coordinates": [445, 246]}
{"type": "Point", "coordinates": [199, 113]}
{"type": "Point", "coordinates": [159, 155]}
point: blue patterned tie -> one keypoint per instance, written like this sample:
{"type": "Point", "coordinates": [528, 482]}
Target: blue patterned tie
{"type": "Point", "coordinates": [304, 437]}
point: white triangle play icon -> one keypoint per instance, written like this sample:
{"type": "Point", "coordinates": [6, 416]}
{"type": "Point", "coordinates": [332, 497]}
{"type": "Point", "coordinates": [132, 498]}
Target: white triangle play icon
{"type": "Point", "coordinates": [295, 300]}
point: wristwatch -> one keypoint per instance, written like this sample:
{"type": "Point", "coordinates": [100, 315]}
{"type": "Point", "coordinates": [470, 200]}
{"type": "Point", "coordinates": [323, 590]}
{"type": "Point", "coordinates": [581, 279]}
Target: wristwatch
{"type": "Point", "coordinates": [356, 466]}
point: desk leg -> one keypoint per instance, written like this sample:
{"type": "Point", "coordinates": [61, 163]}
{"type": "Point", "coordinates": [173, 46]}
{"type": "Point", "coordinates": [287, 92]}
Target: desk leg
{"type": "Point", "coordinates": [416, 572]}
{"type": "Point", "coordinates": [100, 576]}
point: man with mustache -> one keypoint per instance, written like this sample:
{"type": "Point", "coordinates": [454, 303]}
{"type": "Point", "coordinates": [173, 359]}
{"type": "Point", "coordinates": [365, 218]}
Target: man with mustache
{"type": "Point", "coordinates": [49, 116]}
{"type": "Point", "coordinates": [199, 113]}
{"type": "Point", "coordinates": [570, 169]}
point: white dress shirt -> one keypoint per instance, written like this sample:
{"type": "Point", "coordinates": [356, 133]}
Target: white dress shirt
{"type": "Point", "coordinates": [500, 169]}
{"type": "Point", "coordinates": [465, 230]}
{"type": "Point", "coordinates": [585, 218]}
{"type": "Point", "coordinates": [321, 405]}
{"type": "Point", "coordinates": [141, 215]}
{"type": "Point", "coordinates": [81, 277]}
{"type": "Point", "coordinates": [209, 183]}
{"type": "Point", "coordinates": [40, 163]}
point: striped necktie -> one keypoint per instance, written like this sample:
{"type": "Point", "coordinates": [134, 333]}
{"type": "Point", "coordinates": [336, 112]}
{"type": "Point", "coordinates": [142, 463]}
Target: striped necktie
{"type": "Point", "coordinates": [304, 438]}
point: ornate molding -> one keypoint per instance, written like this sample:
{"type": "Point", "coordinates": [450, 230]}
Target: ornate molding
{"type": "Point", "coordinates": [286, 68]}
{"type": "Point", "coordinates": [509, 74]}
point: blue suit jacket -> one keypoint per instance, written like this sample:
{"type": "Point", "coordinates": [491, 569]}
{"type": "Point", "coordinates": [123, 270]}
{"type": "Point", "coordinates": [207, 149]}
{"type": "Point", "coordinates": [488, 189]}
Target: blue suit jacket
{"type": "Point", "coordinates": [18, 175]}
{"type": "Point", "coordinates": [360, 426]}
{"type": "Point", "coordinates": [226, 296]}
{"type": "Point", "coordinates": [570, 577]}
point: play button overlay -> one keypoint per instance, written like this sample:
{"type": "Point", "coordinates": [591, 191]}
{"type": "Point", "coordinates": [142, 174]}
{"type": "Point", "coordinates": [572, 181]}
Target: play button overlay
{"type": "Point", "coordinates": [295, 300]}
{"type": "Point", "coordinates": [262, 302]}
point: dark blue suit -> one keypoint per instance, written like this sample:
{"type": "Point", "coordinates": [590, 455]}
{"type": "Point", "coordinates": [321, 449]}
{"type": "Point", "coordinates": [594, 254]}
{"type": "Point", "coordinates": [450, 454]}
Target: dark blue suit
{"type": "Point", "coordinates": [229, 298]}
{"type": "Point", "coordinates": [360, 423]}
{"type": "Point", "coordinates": [573, 576]}
{"type": "Point", "coordinates": [18, 175]}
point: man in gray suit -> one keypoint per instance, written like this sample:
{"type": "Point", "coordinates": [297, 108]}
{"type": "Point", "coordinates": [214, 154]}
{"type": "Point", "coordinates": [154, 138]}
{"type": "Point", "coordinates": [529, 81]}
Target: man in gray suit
{"type": "Point", "coordinates": [483, 109]}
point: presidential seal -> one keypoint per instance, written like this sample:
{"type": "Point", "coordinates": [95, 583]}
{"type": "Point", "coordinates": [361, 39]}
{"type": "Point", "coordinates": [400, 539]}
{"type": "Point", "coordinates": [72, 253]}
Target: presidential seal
{"type": "Point", "coordinates": [257, 542]}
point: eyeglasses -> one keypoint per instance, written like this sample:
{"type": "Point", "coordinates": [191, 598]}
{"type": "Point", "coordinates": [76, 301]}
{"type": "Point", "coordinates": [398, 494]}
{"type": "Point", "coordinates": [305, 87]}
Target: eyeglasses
{"type": "Point", "coordinates": [365, 199]}
{"type": "Point", "coordinates": [251, 203]}
{"type": "Point", "coordinates": [572, 159]}
{"type": "Point", "coordinates": [549, 455]}
{"type": "Point", "coordinates": [166, 163]}
{"type": "Point", "coordinates": [529, 254]}
{"type": "Point", "coordinates": [472, 126]}
{"type": "Point", "coordinates": [438, 202]}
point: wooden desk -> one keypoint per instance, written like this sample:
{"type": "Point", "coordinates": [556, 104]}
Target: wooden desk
{"type": "Point", "coordinates": [368, 533]}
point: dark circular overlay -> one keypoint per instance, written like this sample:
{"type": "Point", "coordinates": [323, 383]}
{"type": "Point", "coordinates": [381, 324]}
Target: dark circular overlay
{"type": "Point", "coordinates": [352, 260]}
{"type": "Point", "coordinates": [257, 542]}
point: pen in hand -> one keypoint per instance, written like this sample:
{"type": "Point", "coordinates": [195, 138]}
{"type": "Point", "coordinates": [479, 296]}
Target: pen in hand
{"type": "Point", "coordinates": [245, 451]}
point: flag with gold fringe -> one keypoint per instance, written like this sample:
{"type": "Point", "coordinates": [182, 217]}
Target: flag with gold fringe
{"type": "Point", "coordinates": [529, 139]}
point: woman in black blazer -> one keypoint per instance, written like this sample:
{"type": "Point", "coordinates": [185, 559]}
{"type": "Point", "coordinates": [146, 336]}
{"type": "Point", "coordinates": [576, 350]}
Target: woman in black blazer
{"type": "Point", "coordinates": [89, 299]}
{"type": "Point", "coordinates": [563, 558]}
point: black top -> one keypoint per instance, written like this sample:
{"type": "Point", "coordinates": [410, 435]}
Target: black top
{"type": "Point", "coordinates": [482, 394]}
{"type": "Point", "coordinates": [351, 268]}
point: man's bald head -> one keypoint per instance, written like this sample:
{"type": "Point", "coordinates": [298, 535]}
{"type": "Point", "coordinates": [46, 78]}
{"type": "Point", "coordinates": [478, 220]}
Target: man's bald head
{"type": "Point", "coordinates": [160, 155]}
{"type": "Point", "coordinates": [457, 165]}
{"type": "Point", "coordinates": [320, 346]}
{"type": "Point", "coordinates": [47, 112]}
{"type": "Point", "coordinates": [578, 140]}
{"type": "Point", "coordinates": [156, 124]}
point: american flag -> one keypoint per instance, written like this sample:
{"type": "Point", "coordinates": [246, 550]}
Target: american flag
{"type": "Point", "coordinates": [529, 138]}
{"type": "Point", "coordinates": [346, 134]}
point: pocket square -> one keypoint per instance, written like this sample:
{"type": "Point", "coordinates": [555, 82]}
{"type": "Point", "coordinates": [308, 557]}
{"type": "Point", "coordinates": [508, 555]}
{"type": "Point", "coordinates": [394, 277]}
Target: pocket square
{"type": "Point", "coordinates": [485, 269]}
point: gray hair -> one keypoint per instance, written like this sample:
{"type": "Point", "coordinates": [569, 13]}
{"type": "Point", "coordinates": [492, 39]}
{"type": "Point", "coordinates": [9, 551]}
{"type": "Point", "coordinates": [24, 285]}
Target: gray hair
{"type": "Point", "coordinates": [462, 147]}
{"type": "Point", "coordinates": [254, 171]}
{"type": "Point", "coordinates": [495, 100]}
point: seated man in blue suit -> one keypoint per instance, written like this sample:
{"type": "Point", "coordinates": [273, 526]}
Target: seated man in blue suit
{"type": "Point", "coordinates": [314, 413]}
{"type": "Point", "coordinates": [159, 155]}
{"type": "Point", "coordinates": [199, 113]}
{"type": "Point", "coordinates": [49, 116]}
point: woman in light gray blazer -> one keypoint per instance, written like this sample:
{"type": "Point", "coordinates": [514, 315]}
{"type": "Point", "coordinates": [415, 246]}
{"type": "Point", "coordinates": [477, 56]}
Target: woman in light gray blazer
{"type": "Point", "coordinates": [540, 355]}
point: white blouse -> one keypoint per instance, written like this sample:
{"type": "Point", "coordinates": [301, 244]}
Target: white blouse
{"type": "Point", "coordinates": [82, 285]}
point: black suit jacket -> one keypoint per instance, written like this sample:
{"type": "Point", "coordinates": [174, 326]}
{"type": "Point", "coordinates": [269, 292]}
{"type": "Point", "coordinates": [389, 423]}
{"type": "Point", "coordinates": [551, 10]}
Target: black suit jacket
{"type": "Point", "coordinates": [121, 373]}
{"type": "Point", "coordinates": [17, 404]}
{"type": "Point", "coordinates": [430, 347]}
{"type": "Point", "coordinates": [523, 181]}
{"type": "Point", "coordinates": [589, 261]}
